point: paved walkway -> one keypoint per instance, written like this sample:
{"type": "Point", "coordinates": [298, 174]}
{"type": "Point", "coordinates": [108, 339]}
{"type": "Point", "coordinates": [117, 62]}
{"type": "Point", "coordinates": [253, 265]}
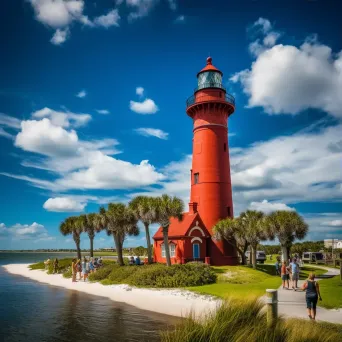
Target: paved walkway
{"type": "Point", "coordinates": [293, 304]}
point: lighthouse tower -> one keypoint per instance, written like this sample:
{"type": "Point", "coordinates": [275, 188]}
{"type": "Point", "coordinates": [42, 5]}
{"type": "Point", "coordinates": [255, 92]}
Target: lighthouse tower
{"type": "Point", "coordinates": [211, 189]}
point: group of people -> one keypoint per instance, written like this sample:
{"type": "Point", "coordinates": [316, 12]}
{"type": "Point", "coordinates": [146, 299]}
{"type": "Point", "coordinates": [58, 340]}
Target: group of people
{"type": "Point", "coordinates": [85, 267]}
{"type": "Point", "coordinates": [289, 271]}
{"type": "Point", "coordinates": [135, 261]}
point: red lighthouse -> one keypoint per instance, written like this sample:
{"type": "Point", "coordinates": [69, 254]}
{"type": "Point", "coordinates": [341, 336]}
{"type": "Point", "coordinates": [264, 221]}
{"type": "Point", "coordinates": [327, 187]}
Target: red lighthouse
{"type": "Point", "coordinates": [211, 189]}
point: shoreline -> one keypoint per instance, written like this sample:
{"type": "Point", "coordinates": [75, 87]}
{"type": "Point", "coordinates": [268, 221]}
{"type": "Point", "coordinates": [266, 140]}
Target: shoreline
{"type": "Point", "coordinates": [173, 302]}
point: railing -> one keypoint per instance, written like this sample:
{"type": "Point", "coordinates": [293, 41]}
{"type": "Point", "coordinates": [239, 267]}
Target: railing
{"type": "Point", "coordinates": [202, 98]}
{"type": "Point", "coordinates": [210, 85]}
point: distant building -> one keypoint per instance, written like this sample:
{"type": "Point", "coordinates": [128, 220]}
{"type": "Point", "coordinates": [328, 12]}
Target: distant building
{"type": "Point", "coordinates": [332, 243]}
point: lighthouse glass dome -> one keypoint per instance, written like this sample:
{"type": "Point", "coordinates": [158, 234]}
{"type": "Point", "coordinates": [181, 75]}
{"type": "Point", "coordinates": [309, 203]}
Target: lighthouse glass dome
{"type": "Point", "coordinates": [209, 79]}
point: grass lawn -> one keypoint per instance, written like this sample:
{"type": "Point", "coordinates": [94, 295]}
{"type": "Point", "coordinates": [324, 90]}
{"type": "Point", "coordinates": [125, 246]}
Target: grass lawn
{"type": "Point", "coordinates": [274, 259]}
{"type": "Point", "coordinates": [241, 282]}
{"type": "Point", "coordinates": [331, 291]}
{"type": "Point", "coordinates": [307, 269]}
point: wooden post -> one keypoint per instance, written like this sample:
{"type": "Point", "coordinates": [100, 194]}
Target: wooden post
{"type": "Point", "coordinates": [272, 306]}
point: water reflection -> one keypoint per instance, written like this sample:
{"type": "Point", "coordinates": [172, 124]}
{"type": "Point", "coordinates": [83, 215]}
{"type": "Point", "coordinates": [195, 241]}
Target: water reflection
{"type": "Point", "coordinates": [34, 312]}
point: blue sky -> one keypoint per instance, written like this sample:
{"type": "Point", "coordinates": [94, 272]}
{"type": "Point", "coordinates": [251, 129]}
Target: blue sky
{"type": "Point", "coordinates": [92, 103]}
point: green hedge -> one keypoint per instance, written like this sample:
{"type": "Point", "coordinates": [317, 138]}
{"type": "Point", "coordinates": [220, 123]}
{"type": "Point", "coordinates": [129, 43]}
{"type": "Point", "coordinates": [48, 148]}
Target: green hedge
{"type": "Point", "coordinates": [156, 275]}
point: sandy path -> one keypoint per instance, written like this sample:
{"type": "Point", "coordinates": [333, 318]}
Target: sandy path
{"type": "Point", "coordinates": [170, 302]}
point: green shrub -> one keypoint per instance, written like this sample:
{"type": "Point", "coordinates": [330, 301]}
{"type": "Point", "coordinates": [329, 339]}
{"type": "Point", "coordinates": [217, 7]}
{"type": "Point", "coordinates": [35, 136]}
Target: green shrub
{"type": "Point", "coordinates": [102, 273]}
{"type": "Point", "coordinates": [191, 274]}
{"type": "Point", "coordinates": [67, 273]}
{"type": "Point", "coordinates": [121, 274]}
{"type": "Point", "coordinates": [245, 321]}
{"type": "Point", "coordinates": [37, 266]}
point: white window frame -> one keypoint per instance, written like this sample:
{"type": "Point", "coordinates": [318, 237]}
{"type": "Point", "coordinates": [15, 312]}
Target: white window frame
{"type": "Point", "coordinates": [172, 249]}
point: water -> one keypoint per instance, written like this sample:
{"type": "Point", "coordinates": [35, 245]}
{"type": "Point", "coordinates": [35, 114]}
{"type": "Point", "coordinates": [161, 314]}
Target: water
{"type": "Point", "coordinates": [34, 312]}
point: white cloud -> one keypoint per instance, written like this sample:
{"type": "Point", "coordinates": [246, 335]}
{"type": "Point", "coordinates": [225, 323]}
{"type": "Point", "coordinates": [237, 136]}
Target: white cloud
{"type": "Point", "coordinates": [147, 106]}
{"type": "Point", "coordinates": [35, 232]}
{"type": "Point", "coordinates": [5, 134]}
{"type": "Point", "coordinates": [9, 121]}
{"type": "Point", "coordinates": [140, 91]}
{"type": "Point", "coordinates": [45, 138]}
{"type": "Point", "coordinates": [267, 207]}
{"type": "Point", "coordinates": [141, 8]}
{"type": "Point", "coordinates": [285, 79]}
{"type": "Point", "coordinates": [63, 119]}
{"type": "Point", "coordinates": [152, 132]}
{"type": "Point", "coordinates": [112, 18]}
{"type": "Point", "coordinates": [333, 223]}
{"type": "Point", "coordinates": [81, 94]}
{"type": "Point", "coordinates": [180, 19]}
{"type": "Point", "coordinates": [57, 13]}
{"type": "Point", "coordinates": [63, 204]}
{"type": "Point", "coordinates": [103, 111]}
{"type": "Point", "coordinates": [60, 36]}
{"type": "Point", "coordinates": [110, 173]}
{"type": "Point", "coordinates": [263, 24]}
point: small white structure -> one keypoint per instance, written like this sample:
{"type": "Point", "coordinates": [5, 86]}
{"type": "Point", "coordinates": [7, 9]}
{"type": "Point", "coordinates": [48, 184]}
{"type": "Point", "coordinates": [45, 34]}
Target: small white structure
{"type": "Point", "coordinates": [332, 243]}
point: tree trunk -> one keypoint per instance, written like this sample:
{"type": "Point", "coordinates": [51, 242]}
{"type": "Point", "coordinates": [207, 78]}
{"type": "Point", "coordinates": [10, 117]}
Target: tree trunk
{"type": "Point", "coordinates": [118, 246]}
{"type": "Point", "coordinates": [148, 240]}
{"type": "Point", "coordinates": [166, 245]}
{"type": "Point", "coordinates": [288, 249]}
{"type": "Point", "coordinates": [91, 246]}
{"type": "Point", "coordinates": [253, 252]}
{"type": "Point", "coordinates": [79, 256]}
{"type": "Point", "coordinates": [284, 254]}
{"type": "Point", "coordinates": [242, 255]}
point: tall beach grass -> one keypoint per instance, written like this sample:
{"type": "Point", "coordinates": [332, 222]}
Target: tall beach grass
{"type": "Point", "coordinates": [242, 321]}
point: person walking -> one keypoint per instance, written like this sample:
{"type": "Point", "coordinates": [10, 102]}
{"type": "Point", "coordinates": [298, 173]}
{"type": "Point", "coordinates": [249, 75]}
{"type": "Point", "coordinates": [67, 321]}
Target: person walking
{"type": "Point", "coordinates": [312, 294]}
{"type": "Point", "coordinates": [294, 274]}
{"type": "Point", "coordinates": [285, 275]}
{"type": "Point", "coordinates": [84, 269]}
{"type": "Point", "coordinates": [79, 268]}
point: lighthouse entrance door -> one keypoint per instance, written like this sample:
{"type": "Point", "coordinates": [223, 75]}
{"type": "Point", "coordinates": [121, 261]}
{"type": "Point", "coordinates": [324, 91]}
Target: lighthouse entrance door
{"type": "Point", "coordinates": [196, 251]}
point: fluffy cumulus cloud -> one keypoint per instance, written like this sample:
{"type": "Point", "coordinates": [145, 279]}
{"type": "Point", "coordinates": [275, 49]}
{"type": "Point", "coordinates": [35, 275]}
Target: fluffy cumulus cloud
{"type": "Point", "coordinates": [286, 79]}
{"type": "Point", "coordinates": [139, 91]}
{"type": "Point", "coordinates": [64, 204]}
{"type": "Point", "coordinates": [321, 227]}
{"type": "Point", "coordinates": [35, 232]}
{"type": "Point", "coordinates": [112, 18]}
{"type": "Point", "coordinates": [77, 164]}
{"type": "Point", "coordinates": [152, 132]}
{"type": "Point", "coordinates": [60, 36]}
{"type": "Point", "coordinates": [81, 94]}
{"type": "Point", "coordinates": [59, 14]}
{"type": "Point", "coordinates": [63, 119]}
{"type": "Point", "coordinates": [147, 106]}
{"type": "Point", "coordinates": [267, 207]}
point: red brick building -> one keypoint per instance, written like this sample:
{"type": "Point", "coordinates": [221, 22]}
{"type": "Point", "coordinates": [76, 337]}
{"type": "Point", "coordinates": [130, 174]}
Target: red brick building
{"type": "Point", "coordinates": [211, 189]}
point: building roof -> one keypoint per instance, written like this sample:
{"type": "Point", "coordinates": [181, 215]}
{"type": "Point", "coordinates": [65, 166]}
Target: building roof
{"type": "Point", "coordinates": [179, 228]}
{"type": "Point", "coordinates": [210, 67]}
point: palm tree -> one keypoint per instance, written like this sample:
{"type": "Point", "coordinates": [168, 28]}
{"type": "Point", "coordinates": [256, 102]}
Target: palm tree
{"type": "Point", "coordinates": [254, 228]}
{"type": "Point", "coordinates": [144, 208]}
{"type": "Point", "coordinates": [231, 230]}
{"type": "Point", "coordinates": [168, 207]}
{"type": "Point", "coordinates": [119, 221]}
{"type": "Point", "coordinates": [91, 226]}
{"type": "Point", "coordinates": [286, 226]}
{"type": "Point", "coordinates": [71, 226]}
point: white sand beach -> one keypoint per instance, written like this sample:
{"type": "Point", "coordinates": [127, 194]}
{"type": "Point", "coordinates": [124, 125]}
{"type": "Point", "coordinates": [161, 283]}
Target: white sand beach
{"type": "Point", "coordinates": [170, 302]}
